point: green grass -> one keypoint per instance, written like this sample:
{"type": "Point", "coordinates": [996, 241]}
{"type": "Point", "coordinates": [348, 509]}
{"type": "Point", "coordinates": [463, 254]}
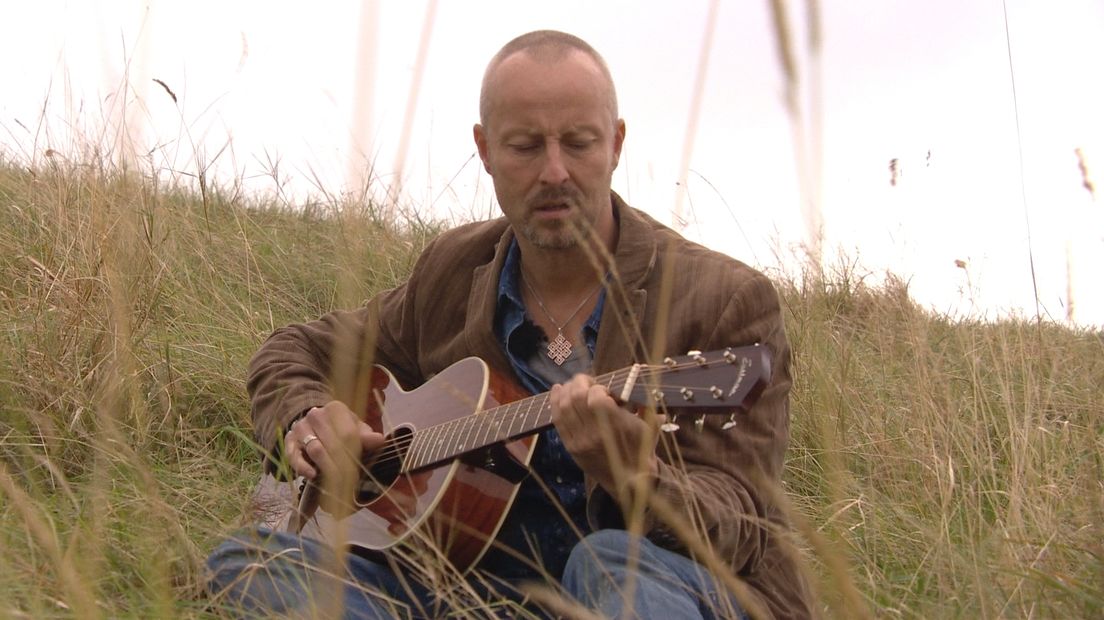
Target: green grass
{"type": "Point", "coordinates": [938, 468]}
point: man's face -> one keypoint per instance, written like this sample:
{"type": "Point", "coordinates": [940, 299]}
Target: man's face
{"type": "Point", "coordinates": [551, 145]}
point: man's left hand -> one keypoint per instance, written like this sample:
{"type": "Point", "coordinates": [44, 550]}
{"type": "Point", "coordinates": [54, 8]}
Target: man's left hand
{"type": "Point", "coordinates": [611, 444]}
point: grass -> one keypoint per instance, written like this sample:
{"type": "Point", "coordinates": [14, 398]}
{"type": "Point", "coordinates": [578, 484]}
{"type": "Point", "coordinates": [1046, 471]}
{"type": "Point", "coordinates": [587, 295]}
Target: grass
{"type": "Point", "coordinates": [938, 467]}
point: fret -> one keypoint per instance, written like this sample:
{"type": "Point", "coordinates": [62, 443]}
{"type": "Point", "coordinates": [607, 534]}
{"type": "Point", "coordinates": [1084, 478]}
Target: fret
{"type": "Point", "coordinates": [544, 412]}
{"type": "Point", "coordinates": [428, 440]}
{"type": "Point", "coordinates": [494, 427]}
{"type": "Point", "coordinates": [425, 446]}
{"type": "Point", "coordinates": [410, 458]}
{"type": "Point", "coordinates": [505, 418]}
{"type": "Point", "coordinates": [438, 445]}
{"type": "Point", "coordinates": [453, 440]}
{"type": "Point", "coordinates": [513, 418]}
{"type": "Point", "coordinates": [527, 422]}
{"type": "Point", "coordinates": [484, 435]}
{"type": "Point", "coordinates": [464, 428]}
{"type": "Point", "coordinates": [478, 434]}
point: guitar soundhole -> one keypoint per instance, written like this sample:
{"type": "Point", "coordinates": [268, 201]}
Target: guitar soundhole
{"type": "Point", "coordinates": [384, 467]}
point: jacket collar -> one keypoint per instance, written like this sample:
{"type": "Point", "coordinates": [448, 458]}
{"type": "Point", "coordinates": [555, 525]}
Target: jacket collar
{"type": "Point", "coordinates": [635, 256]}
{"type": "Point", "coordinates": [620, 341]}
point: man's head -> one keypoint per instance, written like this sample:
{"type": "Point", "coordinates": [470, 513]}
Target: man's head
{"type": "Point", "coordinates": [550, 138]}
{"type": "Point", "coordinates": [548, 46]}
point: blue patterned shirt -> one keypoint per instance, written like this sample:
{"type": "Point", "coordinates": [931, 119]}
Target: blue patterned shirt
{"type": "Point", "coordinates": [535, 525]}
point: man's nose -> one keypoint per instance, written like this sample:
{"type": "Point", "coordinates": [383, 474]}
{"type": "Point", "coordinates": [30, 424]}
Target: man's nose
{"type": "Point", "coordinates": [553, 172]}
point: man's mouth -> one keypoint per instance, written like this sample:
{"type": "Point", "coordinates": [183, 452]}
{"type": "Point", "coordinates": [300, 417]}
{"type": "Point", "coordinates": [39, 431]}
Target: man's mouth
{"type": "Point", "coordinates": [553, 211]}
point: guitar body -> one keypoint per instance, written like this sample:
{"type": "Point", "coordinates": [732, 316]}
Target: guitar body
{"type": "Point", "coordinates": [452, 510]}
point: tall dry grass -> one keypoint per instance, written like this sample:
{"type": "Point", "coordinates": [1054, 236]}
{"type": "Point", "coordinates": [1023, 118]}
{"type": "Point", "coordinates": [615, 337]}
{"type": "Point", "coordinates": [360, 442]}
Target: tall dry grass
{"type": "Point", "coordinates": [957, 465]}
{"type": "Point", "coordinates": [939, 468]}
{"type": "Point", "coordinates": [129, 311]}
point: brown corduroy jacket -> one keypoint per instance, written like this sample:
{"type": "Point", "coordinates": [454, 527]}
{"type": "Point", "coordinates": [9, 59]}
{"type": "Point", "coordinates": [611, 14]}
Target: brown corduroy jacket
{"type": "Point", "coordinates": [725, 484]}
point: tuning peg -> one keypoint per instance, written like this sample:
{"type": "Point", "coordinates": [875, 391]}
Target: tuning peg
{"type": "Point", "coordinates": [718, 393]}
{"type": "Point", "coordinates": [699, 423]}
{"type": "Point", "coordinates": [671, 425]}
{"type": "Point", "coordinates": [659, 397]}
{"type": "Point", "coordinates": [687, 394]}
{"type": "Point", "coordinates": [730, 422]}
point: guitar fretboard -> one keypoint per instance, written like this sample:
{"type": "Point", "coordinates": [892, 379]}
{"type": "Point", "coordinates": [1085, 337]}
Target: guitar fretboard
{"type": "Point", "coordinates": [448, 440]}
{"type": "Point", "coordinates": [720, 380]}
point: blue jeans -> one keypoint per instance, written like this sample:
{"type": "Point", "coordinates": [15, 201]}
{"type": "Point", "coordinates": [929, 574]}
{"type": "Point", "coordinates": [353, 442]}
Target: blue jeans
{"type": "Point", "coordinates": [611, 572]}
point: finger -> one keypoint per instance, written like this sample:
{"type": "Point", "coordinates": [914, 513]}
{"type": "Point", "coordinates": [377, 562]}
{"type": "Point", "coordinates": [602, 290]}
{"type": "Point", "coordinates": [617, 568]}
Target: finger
{"type": "Point", "coordinates": [564, 415]}
{"type": "Point", "coordinates": [565, 403]}
{"type": "Point", "coordinates": [578, 395]}
{"type": "Point", "coordinates": [370, 440]}
{"type": "Point", "coordinates": [298, 458]}
{"type": "Point", "coordinates": [293, 443]}
{"type": "Point", "coordinates": [334, 425]}
{"type": "Point", "coordinates": [598, 399]}
{"type": "Point", "coordinates": [325, 451]}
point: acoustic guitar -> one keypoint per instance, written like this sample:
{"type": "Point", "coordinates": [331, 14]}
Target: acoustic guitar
{"type": "Point", "coordinates": [459, 446]}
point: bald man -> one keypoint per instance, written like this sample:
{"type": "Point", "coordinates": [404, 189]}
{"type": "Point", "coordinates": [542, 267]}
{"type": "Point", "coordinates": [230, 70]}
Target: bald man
{"type": "Point", "coordinates": [570, 283]}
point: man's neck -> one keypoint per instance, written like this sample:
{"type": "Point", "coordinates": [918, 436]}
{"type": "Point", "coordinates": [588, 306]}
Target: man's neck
{"type": "Point", "coordinates": [555, 272]}
{"type": "Point", "coordinates": [568, 271]}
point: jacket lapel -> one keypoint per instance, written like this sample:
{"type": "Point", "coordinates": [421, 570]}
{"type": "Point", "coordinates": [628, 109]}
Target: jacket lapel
{"type": "Point", "coordinates": [619, 340]}
{"type": "Point", "coordinates": [482, 303]}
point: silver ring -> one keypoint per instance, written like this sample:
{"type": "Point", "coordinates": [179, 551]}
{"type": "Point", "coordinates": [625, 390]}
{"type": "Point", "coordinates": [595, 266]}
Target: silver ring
{"type": "Point", "coordinates": [306, 440]}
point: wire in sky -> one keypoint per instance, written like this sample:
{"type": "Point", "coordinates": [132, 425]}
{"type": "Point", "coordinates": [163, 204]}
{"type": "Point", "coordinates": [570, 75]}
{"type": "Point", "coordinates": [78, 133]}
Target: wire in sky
{"type": "Point", "coordinates": [1019, 150]}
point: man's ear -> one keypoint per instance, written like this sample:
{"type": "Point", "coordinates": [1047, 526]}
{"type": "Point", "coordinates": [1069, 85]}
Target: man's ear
{"type": "Point", "coordinates": [480, 136]}
{"type": "Point", "coordinates": [618, 141]}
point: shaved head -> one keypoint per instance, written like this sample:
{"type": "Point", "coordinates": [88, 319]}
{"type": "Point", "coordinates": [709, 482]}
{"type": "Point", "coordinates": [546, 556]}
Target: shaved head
{"type": "Point", "coordinates": [545, 46]}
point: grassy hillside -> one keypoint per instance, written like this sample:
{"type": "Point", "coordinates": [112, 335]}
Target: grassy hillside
{"type": "Point", "coordinates": [938, 468]}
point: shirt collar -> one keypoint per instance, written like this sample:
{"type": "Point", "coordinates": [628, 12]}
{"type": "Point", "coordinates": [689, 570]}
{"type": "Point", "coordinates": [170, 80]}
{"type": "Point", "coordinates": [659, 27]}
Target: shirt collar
{"type": "Point", "coordinates": [509, 288]}
{"type": "Point", "coordinates": [509, 282]}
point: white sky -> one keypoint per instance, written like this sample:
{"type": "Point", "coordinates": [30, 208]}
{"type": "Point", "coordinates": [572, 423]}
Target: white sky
{"type": "Point", "coordinates": [276, 82]}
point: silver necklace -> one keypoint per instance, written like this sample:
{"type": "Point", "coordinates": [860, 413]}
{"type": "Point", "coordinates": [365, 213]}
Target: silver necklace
{"type": "Point", "coordinates": [559, 349]}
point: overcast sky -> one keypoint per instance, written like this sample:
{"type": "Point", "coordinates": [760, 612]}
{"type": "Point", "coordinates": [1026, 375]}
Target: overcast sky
{"type": "Point", "coordinates": [929, 84]}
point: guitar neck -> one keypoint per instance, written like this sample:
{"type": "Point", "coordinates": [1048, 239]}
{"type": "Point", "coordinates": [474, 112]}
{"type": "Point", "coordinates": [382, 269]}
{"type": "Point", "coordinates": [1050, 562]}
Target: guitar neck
{"type": "Point", "coordinates": [449, 440]}
{"type": "Point", "coordinates": [720, 381]}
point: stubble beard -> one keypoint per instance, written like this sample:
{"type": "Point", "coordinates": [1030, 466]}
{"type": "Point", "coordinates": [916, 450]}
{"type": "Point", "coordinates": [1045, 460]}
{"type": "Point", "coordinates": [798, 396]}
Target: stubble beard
{"type": "Point", "coordinates": [564, 237]}
{"type": "Point", "coordinates": [561, 235]}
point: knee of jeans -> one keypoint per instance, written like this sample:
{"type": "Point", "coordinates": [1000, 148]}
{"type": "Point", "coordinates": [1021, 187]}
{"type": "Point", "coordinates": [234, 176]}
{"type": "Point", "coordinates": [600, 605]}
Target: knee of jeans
{"type": "Point", "coordinates": [256, 570]}
{"type": "Point", "coordinates": [598, 553]}
{"type": "Point", "coordinates": [250, 552]}
{"type": "Point", "coordinates": [611, 544]}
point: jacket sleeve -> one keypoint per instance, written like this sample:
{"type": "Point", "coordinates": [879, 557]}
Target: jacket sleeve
{"type": "Point", "coordinates": [720, 483]}
{"type": "Point", "coordinates": [307, 365]}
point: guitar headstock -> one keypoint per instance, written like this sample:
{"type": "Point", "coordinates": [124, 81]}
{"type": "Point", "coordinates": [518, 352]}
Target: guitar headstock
{"type": "Point", "coordinates": [730, 380]}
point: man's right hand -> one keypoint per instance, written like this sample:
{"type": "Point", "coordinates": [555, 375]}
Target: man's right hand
{"type": "Point", "coordinates": [328, 442]}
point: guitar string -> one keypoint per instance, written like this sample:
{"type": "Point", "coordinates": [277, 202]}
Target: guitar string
{"type": "Point", "coordinates": [396, 454]}
{"type": "Point", "coordinates": [504, 410]}
{"type": "Point", "coordinates": [397, 447]}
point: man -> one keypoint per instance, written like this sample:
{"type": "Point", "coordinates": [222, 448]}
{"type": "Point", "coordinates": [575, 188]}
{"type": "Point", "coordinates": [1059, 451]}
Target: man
{"type": "Point", "coordinates": [571, 283]}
